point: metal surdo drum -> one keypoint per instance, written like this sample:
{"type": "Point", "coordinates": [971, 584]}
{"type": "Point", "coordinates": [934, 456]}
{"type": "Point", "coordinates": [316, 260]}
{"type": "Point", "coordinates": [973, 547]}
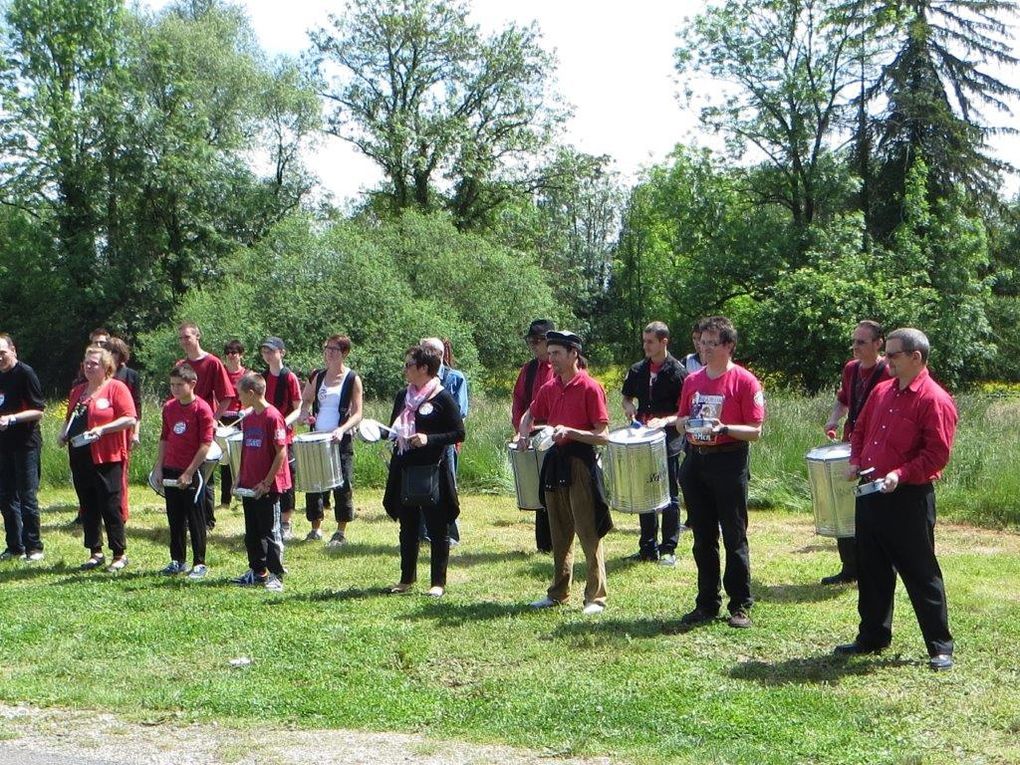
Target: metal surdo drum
{"type": "Point", "coordinates": [526, 465]}
{"type": "Point", "coordinates": [235, 443]}
{"type": "Point", "coordinates": [636, 471]}
{"type": "Point", "coordinates": [318, 463]}
{"type": "Point", "coordinates": [831, 494]}
{"type": "Point", "coordinates": [222, 434]}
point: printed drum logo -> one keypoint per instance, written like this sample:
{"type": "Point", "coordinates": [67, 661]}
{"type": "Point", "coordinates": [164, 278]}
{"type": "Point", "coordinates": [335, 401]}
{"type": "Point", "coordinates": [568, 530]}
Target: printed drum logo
{"type": "Point", "coordinates": [655, 477]}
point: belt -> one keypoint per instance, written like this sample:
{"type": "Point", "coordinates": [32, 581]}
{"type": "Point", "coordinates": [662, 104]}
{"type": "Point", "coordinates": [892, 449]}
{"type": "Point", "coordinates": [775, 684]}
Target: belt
{"type": "Point", "coordinates": [720, 449]}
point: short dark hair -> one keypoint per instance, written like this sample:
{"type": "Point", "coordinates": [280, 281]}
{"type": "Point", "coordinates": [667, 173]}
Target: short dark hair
{"type": "Point", "coordinates": [342, 342]}
{"type": "Point", "coordinates": [98, 331]}
{"type": "Point", "coordinates": [189, 325]}
{"type": "Point", "coordinates": [722, 325]}
{"type": "Point", "coordinates": [233, 345]}
{"type": "Point", "coordinates": [912, 340]}
{"type": "Point", "coordinates": [119, 349]}
{"type": "Point", "coordinates": [184, 372]}
{"type": "Point", "coordinates": [659, 328]}
{"type": "Point", "coordinates": [425, 356]}
{"type": "Point", "coordinates": [252, 381]}
{"type": "Point", "coordinates": [876, 329]}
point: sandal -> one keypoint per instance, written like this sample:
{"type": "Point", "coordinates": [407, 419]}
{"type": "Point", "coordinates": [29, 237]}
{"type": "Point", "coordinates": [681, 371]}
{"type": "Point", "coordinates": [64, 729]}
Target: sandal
{"type": "Point", "coordinates": [95, 561]}
{"type": "Point", "coordinates": [117, 564]}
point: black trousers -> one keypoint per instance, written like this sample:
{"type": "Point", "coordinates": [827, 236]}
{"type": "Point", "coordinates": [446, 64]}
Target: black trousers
{"type": "Point", "coordinates": [896, 533]}
{"type": "Point", "coordinates": [435, 523]}
{"type": "Point", "coordinates": [343, 496]}
{"type": "Point", "coordinates": [847, 548]}
{"type": "Point", "coordinates": [648, 544]}
{"type": "Point", "coordinates": [714, 486]}
{"type": "Point", "coordinates": [262, 537]}
{"type": "Point", "coordinates": [98, 488]}
{"type": "Point", "coordinates": [184, 514]}
{"type": "Point", "coordinates": [543, 536]}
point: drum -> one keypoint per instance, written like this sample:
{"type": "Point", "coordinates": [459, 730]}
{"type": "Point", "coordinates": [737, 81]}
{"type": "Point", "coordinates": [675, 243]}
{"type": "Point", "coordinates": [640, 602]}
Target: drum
{"type": "Point", "coordinates": [156, 486]}
{"type": "Point", "coordinates": [213, 457]}
{"type": "Point", "coordinates": [235, 442]}
{"type": "Point", "coordinates": [526, 465]}
{"type": "Point", "coordinates": [636, 470]}
{"type": "Point", "coordinates": [831, 494]}
{"type": "Point", "coordinates": [318, 463]}
{"type": "Point", "coordinates": [222, 433]}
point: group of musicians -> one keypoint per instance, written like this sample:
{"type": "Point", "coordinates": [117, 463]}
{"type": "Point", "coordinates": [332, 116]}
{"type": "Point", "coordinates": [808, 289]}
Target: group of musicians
{"type": "Point", "coordinates": [899, 422]}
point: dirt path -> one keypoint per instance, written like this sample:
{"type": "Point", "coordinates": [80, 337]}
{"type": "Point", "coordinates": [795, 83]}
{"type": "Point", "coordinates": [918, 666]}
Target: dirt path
{"type": "Point", "coordinates": [31, 736]}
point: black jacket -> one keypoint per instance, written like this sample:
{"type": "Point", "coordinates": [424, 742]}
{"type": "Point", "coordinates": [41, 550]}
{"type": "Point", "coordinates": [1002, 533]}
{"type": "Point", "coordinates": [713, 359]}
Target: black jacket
{"type": "Point", "coordinates": [662, 398]}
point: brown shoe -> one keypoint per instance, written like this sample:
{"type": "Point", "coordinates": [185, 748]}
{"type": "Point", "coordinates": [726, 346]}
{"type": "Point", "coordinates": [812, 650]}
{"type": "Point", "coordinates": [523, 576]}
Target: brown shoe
{"type": "Point", "coordinates": [739, 619]}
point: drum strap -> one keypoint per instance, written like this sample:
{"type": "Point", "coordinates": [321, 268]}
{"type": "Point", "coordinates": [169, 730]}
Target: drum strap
{"type": "Point", "coordinates": [280, 391]}
{"type": "Point", "coordinates": [858, 396]}
{"type": "Point", "coordinates": [530, 373]}
{"type": "Point", "coordinates": [319, 375]}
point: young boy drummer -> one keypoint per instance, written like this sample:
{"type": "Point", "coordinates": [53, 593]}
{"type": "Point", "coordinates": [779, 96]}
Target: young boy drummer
{"type": "Point", "coordinates": [264, 475]}
{"type": "Point", "coordinates": [187, 433]}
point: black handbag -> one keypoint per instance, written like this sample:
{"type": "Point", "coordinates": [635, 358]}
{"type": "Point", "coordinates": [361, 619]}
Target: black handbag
{"type": "Point", "coordinates": [419, 486]}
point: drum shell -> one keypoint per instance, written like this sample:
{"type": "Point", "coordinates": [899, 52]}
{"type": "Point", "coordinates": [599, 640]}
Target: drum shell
{"type": "Point", "coordinates": [636, 471]}
{"type": "Point", "coordinates": [235, 443]}
{"type": "Point", "coordinates": [832, 496]}
{"type": "Point", "coordinates": [222, 438]}
{"type": "Point", "coordinates": [318, 466]}
{"type": "Point", "coordinates": [156, 486]}
{"type": "Point", "coordinates": [213, 458]}
{"type": "Point", "coordinates": [526, 465]}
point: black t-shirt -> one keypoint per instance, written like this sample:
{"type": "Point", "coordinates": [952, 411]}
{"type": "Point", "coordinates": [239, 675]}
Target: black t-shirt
{"type": "Point", "coordinates": [20, 390]}
{"type": "Point", "coordinates": [658, 395]}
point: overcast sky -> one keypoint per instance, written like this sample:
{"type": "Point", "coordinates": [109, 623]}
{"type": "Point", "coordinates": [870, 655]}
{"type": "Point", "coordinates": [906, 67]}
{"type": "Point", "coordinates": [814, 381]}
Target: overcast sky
{"type": "Point", "coordinates": [615, 68]}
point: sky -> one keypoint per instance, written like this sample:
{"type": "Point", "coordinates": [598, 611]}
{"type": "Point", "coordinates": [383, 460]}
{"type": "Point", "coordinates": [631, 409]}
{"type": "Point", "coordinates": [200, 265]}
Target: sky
{"type": "Point", "coordinates": [615, 68]}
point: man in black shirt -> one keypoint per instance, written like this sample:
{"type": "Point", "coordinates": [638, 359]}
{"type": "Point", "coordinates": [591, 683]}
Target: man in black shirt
{"type": "Point", "coordinates": [655, 383]}
{"type": "Point", "coordinates": [21, 405]}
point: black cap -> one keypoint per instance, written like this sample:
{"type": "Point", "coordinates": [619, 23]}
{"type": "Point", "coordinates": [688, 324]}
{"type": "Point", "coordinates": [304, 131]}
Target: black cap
{"type": "Point", "coordinates": [273, 342]}
{"type": "Point", "coordinates": [539, 328]}
{"type": "Point", "coordinates": [564, 338]}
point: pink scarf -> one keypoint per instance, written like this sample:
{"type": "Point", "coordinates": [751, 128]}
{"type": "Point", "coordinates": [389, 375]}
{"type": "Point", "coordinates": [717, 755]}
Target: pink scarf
{"type": "Point", "coordinates": [403, 426]}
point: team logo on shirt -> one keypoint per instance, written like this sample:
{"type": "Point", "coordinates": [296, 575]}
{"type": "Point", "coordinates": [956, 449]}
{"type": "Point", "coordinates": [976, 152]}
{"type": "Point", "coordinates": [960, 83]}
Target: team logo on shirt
{"type": "Point", "coordinates": [180, 427]}
{"type": "Point", "coordinates": [255, 442]}
{"type": "Point", "coordinates": [759, 398]}
{"type": "Point", "coordinates": [426, 409]}
{"type": "Point", "coordinates": [102, 403]}
{"type": "Point", "coordinates": [281, 434]}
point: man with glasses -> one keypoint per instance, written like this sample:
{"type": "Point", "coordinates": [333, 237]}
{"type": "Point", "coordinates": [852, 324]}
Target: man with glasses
{"type": "Point", "coordinates": [902, 437]}
{"type": "Point", "coordinates": [213, 387]}
{"type": "Point", "coordinates": [533, 376]}
{"type": "Point", "coordinates": [233, 360]}
{"type": "Point", "coordinates": [860, 376]}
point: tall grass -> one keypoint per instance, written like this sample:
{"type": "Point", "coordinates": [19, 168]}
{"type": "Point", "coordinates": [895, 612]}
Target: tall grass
{"type": "Point", "coordinates": [980, 486]}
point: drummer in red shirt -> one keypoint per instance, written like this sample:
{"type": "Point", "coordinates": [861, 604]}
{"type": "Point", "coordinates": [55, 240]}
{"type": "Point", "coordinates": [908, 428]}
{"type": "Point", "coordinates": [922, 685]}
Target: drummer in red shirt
{"type": "Point", "coordinates": [265, 472]}
{"type": "Point", "coordinates": [233, 362]}
{"type": "Point", "coordinates": [903, 437]}
{"type": "Point", "coordinates": [575, 405]}
{"type": "Point", "coordinates": [283, 390]}
{"type": "Point", "coordinates": [722, 408]}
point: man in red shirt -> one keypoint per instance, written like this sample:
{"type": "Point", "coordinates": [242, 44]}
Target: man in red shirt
{"type": "Point", "coordinates": [903, 437]}
{"type": "Point", "coordinates": [213, 387]}
{"type": "Point", "coordinates": [721, 408]}
{"type": "Point", "coordinates": [265, 473]}
{"type": "Point", "coordinates": [860, 376]}
{"type": "Point", "coordinates": [284, 392]}
{"type": "Point", "coordinates": [183, 443]}
{"type": "Point", "coordinates": [533, 376]}
{"type": "Point", "coordinates": [575, 405]}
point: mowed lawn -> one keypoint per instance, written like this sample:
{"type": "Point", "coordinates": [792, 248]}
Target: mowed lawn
{"type": "Point", "coordinates": [333, 650]}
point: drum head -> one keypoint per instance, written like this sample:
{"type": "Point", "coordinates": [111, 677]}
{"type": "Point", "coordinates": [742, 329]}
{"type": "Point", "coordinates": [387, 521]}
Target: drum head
{"type": "Point", "coordinates": [214, 454]}
{"type": "Point", "coordinates": [370, 431]}
{"type": "Point", "coordinates": [309, 438]}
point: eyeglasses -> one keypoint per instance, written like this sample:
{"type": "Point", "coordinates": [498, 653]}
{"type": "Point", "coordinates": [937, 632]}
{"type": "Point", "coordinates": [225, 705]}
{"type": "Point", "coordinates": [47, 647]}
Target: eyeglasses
{"type": "Point", "coordinates": [233, 353]}
{"type": "Point", "coordinates": [897, 354]}
{"type": "Point", "coordinates": [533, 341]}
{"type": "Point", "coordinates": [863, 342]}
{"type": "Point", "coordinates": [711, 343]}
{"type": "Point", "coordinates": [335, 348]}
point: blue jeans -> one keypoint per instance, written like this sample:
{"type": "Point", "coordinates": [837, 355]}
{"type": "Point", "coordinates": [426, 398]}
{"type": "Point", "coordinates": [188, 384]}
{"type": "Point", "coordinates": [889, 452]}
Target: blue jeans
{"type": "Point", "coordinates": [19, 485]}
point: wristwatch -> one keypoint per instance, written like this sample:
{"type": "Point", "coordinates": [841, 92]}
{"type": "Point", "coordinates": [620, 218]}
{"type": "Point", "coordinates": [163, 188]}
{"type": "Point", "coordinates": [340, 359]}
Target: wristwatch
{"type": "Point", "coordinates": [724, 430]}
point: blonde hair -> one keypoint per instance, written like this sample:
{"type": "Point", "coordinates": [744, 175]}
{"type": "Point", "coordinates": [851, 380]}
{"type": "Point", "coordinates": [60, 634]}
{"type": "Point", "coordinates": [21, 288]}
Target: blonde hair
{"type": "Point", "coordinates": [105, 357]}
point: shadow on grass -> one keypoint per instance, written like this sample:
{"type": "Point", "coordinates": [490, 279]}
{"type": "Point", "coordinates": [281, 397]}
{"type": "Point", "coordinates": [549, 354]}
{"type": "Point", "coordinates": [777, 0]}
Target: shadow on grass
{"type": "Point", "coordinates": [450, 614]}
{"type": "Point", "coordinates": [331, 596]}
{"type": "Point", "coordinates": [825, 669]}
{"type": "Point", "coordinates": [22, 571]}
{"type": "Point", "coordinates": [813, 548]}
{"type": "Point", "coordinates": [600, 631]}
{"type": "Point", "coordinates": [814, 592]}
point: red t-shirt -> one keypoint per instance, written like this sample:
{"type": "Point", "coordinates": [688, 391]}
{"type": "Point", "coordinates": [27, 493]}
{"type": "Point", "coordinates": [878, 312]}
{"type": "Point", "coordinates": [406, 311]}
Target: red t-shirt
{"type": "Point", "coordinates": [855, 378]}
{"type": "Point", "coordinates": [110, 403]}
{"type": "Point", "coordinates": [234, 377]}
{"type": "Point", "coordinates": [910, 431]}
{"type": "Point", "coordinates": [213, 383]}
{"type": "Point", "coordinates": [262, 433]}
{"type": "Point", "coordinates": [291, 396]}
{"type": "Point", "coordinates": [733, 398]}
{"type": "Point", "coordinates": [185, 428]}
{"type": "Point", "coordinates": [580, 403]}
{"type": "Point", "coordinates": [524, 397]}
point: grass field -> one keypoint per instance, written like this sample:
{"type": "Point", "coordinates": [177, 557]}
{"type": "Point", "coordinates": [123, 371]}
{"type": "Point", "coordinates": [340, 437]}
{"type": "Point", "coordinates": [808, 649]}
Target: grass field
{"type": "Point", "coordinates": [333, 651]}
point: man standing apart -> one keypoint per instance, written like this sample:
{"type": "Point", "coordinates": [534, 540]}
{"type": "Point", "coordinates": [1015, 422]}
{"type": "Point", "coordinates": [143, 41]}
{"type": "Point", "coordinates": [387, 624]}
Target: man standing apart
{"type": "Point", "coordinates": [655, 383]}
{"type": "Point", "coordinates": [213, 387]}
{"type": "Point", "coordinates": [21, 408]}
{"type": "Point", "coordinates": [903, 436]}
{"type": "Point", "coordinates": [860, 376]}
{"type": "Point", "coordinates": [722, 408]}
{"type": "Point", "coordinates": [575, 405]}
{"type": "Point", "coordinates": [533, 376]}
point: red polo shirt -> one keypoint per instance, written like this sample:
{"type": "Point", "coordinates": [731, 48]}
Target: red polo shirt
{"type": "Point", "coordinates": [580, 403]}
{"type": "Point", "coordinates": [909, 431]}
{"type": "Point", "coordinates": [185, 428]}
{"type": "Point", "coordinates": [235, 378]}
{"type": "Point", "coordinates": [111, 402]}
{"type": "Point", "coordinates": [734, 398]}
{"type": "Point", "coordinates": [263, 432]}
{"type": "Point", "coordinates": [855, 377]}
{"type": "Point", "coordinates": [213, 383]}
{"type": "Point", "coordinates": [523, 397]}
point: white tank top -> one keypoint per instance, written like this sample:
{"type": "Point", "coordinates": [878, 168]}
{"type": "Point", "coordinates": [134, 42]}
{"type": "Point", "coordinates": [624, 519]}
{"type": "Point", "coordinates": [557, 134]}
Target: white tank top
{"type": "Point", "coordinates": [328, 417]}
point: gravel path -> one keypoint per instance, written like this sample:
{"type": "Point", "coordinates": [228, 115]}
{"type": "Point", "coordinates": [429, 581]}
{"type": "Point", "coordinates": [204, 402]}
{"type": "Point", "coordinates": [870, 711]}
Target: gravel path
{"type": "Point", "coordinates": [33, 736]}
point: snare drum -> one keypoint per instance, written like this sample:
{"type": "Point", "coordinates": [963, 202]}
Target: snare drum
{"type": "Point", "coordinates": [213, 457]}
{"type": "Point", "coordinates": [222, 434]}
{"type": "Point", "coordinates": [235, 443]}
{"type": "Point", "coordinates": [526, 465]}
{"type": "Point", "coordinates": [831, 494]}
{"type": "Point", "coordinates": [318, 463]}
{"type": "Point", "coordinates": [636, 470]}
{"type": "Point", "coordinates": [156, 486]}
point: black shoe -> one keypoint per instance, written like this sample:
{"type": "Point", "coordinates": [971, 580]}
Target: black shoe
{"type": "Point", "coordinates": [941, 662]}
{"type": "Point", "coordinates": [544, 550]}
{"type": "Point", "coordinates": [841, 578]}
{"type": "Point", "coordinates": [697, 616]}
{"type": "Point", "coordinates": [856, 649]}
{"type": "Point", "coordinates": [739, 619]}
{"type": "Point", "coordinates": [643, 557]}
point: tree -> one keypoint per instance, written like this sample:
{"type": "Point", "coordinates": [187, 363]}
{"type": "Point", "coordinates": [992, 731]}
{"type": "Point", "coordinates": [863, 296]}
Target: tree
{"type": "Point", "coordinates": [455, 120]}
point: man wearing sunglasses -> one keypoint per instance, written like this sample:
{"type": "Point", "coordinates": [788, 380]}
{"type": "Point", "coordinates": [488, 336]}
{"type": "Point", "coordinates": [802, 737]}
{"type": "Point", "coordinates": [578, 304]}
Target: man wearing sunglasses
{"type": "Point", "coordinates": [860, 376]}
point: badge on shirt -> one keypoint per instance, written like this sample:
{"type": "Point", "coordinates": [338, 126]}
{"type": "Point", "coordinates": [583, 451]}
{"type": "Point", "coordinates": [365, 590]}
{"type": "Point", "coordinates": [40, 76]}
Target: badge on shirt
{"type": "Point", "coordinates": [426, 409]}
{"type": "Point", "coordinates": [180, 427]}
{"type": "Point", "coordinates": [759, 398]}
{"type": "Point", "coordinates": [102, 403]}
{"type": "Point", "coordinates": [281, 434]}
{"type": "Point", "coordinates": [2, 399]}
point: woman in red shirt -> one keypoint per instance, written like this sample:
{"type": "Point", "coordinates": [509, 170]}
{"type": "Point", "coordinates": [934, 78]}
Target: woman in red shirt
{"type": "Point", "coordinates": [100, 416]}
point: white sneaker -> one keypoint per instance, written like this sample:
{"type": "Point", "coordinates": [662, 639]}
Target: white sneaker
{"type": "Point", "coordinates": [198, 572]}
{"type": "Point", "coordinates": [590, 609]}
{"type": "Point", "coordinates": [173, 568]}
{"type": "Point", "coordinates": [274, 583]}
{"type": "Point", "coordinates": [545, 602]}
{"type": "Point", "coordinates": [35, 555]}
{"type": "Point", "coordinates": [285, 532]}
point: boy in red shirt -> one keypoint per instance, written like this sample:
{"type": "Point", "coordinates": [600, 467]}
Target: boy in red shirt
{"type": "Point", "coordinates": [183, 443]}
{"type": "Point", "coordinates": [264, 475]}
